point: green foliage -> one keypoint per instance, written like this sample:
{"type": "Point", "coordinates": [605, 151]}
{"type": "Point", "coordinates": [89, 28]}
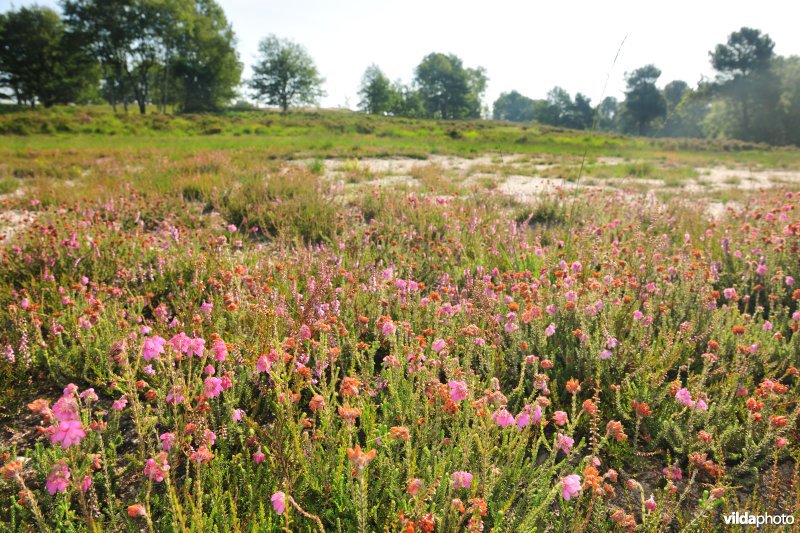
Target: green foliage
{"type": "Point", "coordinates": [644, 103]}
{"type": "Point", "coordinates": [378, 95]}
{"type": "Point", "coordinates": [285, 75]}
{"type": "Point", "coordinates": [447, 89]}
{"type": "Point", "coordinates": [39, 59]}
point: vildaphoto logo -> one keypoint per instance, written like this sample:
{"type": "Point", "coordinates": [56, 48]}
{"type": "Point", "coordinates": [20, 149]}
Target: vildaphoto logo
{"type": "Point", "coordinates": [758, 520]}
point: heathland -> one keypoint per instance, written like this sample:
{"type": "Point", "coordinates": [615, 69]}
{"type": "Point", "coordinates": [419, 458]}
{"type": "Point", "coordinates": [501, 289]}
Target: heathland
{"type": "Point", "coordinates": [325, 320]}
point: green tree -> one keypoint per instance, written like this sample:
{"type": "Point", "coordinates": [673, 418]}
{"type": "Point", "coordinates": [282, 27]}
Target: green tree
{"type": "Point", "coordinates": [39, 61]}
{"type": "Point", "coordinates": [285, 75]}
{"type": "Point", "coordinates": [205, 64]}
{"type": "Point", "coordinates": [674, 92]}
{"type": "Point", "coordinates": [607, 114]}
{"type": "Point", "coordinates": [644, 103]}
{"type": "Point", "coordinates": [449, 90]}
{"type": "Point", "coordinates": [514, 107]}
{"type": "Point", "coordinates": [749, 86]}
{"type": "Point", "coordinates": [377, 93]}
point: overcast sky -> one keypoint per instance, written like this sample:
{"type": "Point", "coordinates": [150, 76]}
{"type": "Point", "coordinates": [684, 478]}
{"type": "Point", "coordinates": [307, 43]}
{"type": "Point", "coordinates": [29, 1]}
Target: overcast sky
{"type": "Point", "coordinates": [529, 46]}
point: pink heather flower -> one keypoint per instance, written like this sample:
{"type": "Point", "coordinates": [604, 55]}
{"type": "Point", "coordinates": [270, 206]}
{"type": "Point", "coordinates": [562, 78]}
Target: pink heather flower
{"type": "Point", "coordinates": [550, 330]}
{"type": "Point", "coordinates": [523, 419]}
{"type": "Point", "coordinates": [226, 382]}
{"type": "Point", "coordinates": [537, 414]}
{"type": "Point", "coordinates": [238, 414]}
{"type": "Point", "coordinates": [120, 404]}
{"type": "Point", "coordinates": [780, 442]}
{"type": "Point", "coordinates": [551, 310]}
{"type": "Point", "coordinates": [259, 457]}
{"type": "Point", "coordinates": [611, 342]}
{"type": "Point", "coordinates": [637, 315]}
{"type": "Point", "coordinates": [70, 390]}
{"type": "Point", "coordinates": [789, 281]}
{"type": "Point", "coordinates": [761, 269]}
{"type": "Point", "coordinates": [175, 396]}
{"type": "Point", "coordinates": [767, 325]}
{"type": "Point", "coordinates": [180, 342]}
{"type": "Point", "coordinates": [196, 347]}
{"type": "Point", "coordinates": [206, 308]}
{"type": "Point", "coordinates": [388, 329]}
{"type": "Point", "coordinates": [560, 418]}
{"type": "Point", "coordinates": [211, 437]}
{"type": "Point", "coordinates": [213, 387]}
{"type": "Point", "coordinates": [149, 370]}
{"type": "Point", "coordinates": [503, 418]}
{"type": "Point", "coordinates": [279, 502]}
{"type": "Point", "coordinates": [701, 405]}
{"type": "Point", "coordinates": [684, 397]}
{"type": "Point", "coordinates": [201, 455]}
{"type": "Point", "coordinates": [68, 433]}
{"type": "Point", "coordinates": [438, 345]}
{"type": "Point", "coordinates": [57, 480]}
{"type": "Point", "coordinates": [564, 443]}
{"type": "Point", "coordinates": [86, 483]}
{"type": "Point", "coordinates": [89, 395]}
{"type": "Point", "coordinates": [673, 473]}
{"type": "Point", "coordinates": [462, 480]}
{"type": "Point", "coordinates": [570, 486]}
{"type": "Point", "coordinates": [729, 293]}
{"type": "Point", "coordinates": [458, 390]}
{"type": "Point", "coordinates": [605, 354]}
{"type": "Point", "coordinates": [167, 441]}
{"type": "Point", "coordinates": [220, 350]}
{"type": "Point", "coordinates": [156, 469]}
{"type": "Point", "coordinates": [796, 316]}
{"type": "Point", "coordinates": [650, 504]}
{"type": "Point", "coordinates": [153, 346]}
{"type": "Point", "coordinates": [66, 408]}
{"type": "Point", "coordinates": [263, 364]}
{"type": "Point", "coordinates": [210, 370]}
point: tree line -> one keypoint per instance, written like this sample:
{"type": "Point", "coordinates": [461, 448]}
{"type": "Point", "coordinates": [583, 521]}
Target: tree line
{"type": "Point", "coordinates": [181, 55]}
{"type": "Point", "coordinates": [754, 96]}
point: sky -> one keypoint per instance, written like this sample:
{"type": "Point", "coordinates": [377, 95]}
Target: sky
{"type": "Point", "coordinates": [529, 46]}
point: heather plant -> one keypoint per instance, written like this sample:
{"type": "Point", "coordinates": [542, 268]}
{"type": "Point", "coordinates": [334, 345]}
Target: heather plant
{"type": "Point", "coordinates": [288, 356]}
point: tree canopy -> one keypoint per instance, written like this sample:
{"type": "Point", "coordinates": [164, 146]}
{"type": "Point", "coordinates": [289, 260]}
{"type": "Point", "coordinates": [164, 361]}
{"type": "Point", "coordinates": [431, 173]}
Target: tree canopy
{"type": "Point", "coordinates": [39, 60]}
{"type": "Point", "coordinates": [285, 74]}
{"type": "Point", "coordinates": [447, 89]}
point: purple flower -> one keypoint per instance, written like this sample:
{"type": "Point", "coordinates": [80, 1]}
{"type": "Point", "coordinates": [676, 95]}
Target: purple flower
{"type": "Point", "coordinates": [153, 346]}
{"type": "Point", "coordinates": [462, 480]}
{"type": "Point", "coordinates": [564, 443]}
{"type": "Point", "coordinates": [68, 433]}
{"type": "Point", "coordinates": [57, 480]}
{"type": "Point", "coordinates": [684, 397]}
{"type": "Point", "coordinates": [213, 387]}
{"type": "Point", "coordinates": [120, 404]}
{"type": "Point", "coordinates": [438, 345]}
{"type": "Point", "coordinates": [570, 486]}
{"type": "Point", "coordinates": [279, 502]}
{"type": "Point", "coordinates": [458, 390]}
{"type": "Point", "coordinates": [503, 418]}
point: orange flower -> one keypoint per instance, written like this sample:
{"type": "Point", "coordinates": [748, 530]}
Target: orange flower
{"type": "Point", "coordinates": [137, 509]}
{"type": "Point", "coordinates": [589, 407]}
{"type": "Point", "coordinates": [615, 431]}
{"type": "Point", "coordinates": [349, 413]}
{"type": "Point", "coordinates": [317, 403]}
{"type": "Point", "coordinates": [399, 432]}
{"type": "Point", "coordinates": [738, 330]}
{"type": "Point", "coordinates": [641, 408]}
{"type": "Point", "coordinates": [359, 459]}
{"type": "Point", "coordinates": [349, 387]}
{"type": "Point", "coordinates": [778, 421]}
{"type": "Point", "coordinates": [573, 386]}
{"type": "Point", "coordinates": [591, 478]}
